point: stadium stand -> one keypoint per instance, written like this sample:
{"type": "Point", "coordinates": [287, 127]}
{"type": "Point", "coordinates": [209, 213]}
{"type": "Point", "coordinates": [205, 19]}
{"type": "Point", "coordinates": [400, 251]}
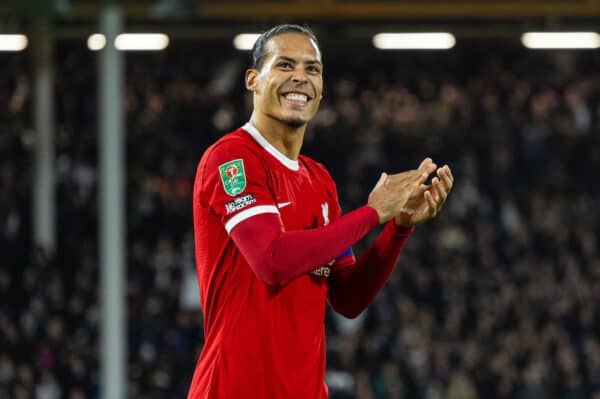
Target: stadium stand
{"type": "Point", "coordinates": [497, 298]}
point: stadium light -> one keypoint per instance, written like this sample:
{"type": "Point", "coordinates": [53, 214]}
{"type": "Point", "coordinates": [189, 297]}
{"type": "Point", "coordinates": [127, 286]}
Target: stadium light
{"type": "Point", "coordinates": [131, 41]}
{"type": "Point", "coordinates": [245, 41]}
{"type": "Point", "coordinates": [96, 42]}
{"type": "Point", "coordinates": [142, 41]}
{"type": "Point", "coordinates": [15, 42]}
{"type": "Point", "coordinates": [414, 41]}
{"type": "Point", "coordinates": [561, 40]}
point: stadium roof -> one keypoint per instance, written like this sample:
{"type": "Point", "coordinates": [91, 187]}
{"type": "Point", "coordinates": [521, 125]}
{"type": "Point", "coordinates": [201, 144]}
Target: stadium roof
{"type": "Point", "coordinates": [212, 19]}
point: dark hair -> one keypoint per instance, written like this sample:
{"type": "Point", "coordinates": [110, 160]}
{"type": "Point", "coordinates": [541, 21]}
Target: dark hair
{"type": "Point", "coordinates": [258, 50]}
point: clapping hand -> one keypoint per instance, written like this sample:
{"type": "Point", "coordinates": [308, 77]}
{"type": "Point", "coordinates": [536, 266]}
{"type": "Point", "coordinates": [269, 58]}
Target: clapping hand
{"type": "Point", "coordinates": [426, 201]}
{"type": "Point", "coordinates": [392, 192]}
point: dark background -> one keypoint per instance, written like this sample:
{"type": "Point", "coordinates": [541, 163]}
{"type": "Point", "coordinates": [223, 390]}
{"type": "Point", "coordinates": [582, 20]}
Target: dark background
{"type": "Point", "coordinates": [498, 297]}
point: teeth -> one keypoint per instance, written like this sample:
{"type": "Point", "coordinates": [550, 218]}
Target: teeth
{"type": "Point", "coordinates": [296, 97]}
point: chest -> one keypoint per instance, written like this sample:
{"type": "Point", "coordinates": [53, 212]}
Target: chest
{"type": "Point", "coordinates": [303, 198]}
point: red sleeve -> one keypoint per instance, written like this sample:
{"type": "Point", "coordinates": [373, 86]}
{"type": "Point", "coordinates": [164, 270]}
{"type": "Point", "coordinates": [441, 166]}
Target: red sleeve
{"type": "Point", "coordinates": [277, 256]}
{"type": "Point", "coordinates": [235, 184]}
{"type": "Point", "coordinates": [352, 289]}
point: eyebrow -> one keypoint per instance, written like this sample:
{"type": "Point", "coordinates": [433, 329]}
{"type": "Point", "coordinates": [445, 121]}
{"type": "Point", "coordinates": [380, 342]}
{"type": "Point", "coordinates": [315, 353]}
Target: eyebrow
{"type": "Point", "coordinates": [311, 62]}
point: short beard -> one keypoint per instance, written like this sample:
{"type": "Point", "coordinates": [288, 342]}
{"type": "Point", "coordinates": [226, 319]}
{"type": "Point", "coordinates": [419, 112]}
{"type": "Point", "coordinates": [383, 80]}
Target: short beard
{"type": "Point", "coordinates": [294, 122]}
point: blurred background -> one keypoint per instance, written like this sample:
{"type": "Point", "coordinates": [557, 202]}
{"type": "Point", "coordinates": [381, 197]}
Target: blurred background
{"type": "Point", "coordinates": [498, 297]}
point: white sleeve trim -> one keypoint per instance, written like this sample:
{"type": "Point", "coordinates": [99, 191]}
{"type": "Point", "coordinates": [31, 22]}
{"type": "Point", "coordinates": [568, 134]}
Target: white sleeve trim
{"type": "Point", "coordinates": [248, 213]}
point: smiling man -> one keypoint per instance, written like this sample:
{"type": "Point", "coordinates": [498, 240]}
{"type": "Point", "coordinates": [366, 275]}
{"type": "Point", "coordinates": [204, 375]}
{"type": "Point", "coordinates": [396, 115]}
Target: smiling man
{"type": "Point", "coordinates": [272, 247]}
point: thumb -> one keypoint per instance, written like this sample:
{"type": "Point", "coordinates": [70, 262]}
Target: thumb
{"type": "Point", "coordinates": [381, 181]}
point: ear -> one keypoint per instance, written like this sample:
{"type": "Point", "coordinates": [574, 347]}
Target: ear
{"type": "Point", "coordinates": [251, 80]}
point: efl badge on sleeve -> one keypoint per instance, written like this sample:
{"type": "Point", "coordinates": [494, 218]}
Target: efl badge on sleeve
{"type": "Point", "coordinates": [233, 176]}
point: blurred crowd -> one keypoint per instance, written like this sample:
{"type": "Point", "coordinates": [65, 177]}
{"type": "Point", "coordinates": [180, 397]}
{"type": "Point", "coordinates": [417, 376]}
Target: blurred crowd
{"type": "Point", "coordinates": [498, 297]}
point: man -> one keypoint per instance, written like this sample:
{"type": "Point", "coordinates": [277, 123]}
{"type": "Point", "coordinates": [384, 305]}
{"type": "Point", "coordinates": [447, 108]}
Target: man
{"type": "Point", "coordinates": [271, 244]}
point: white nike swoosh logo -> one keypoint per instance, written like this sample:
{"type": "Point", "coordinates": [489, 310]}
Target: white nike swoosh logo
{"type": "Point", "coordinates": [283, 204]}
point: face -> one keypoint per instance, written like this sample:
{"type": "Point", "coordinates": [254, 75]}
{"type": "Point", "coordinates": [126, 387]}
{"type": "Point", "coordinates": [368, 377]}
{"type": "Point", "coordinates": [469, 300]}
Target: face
{"type": "Point", "coordinates": [289, 85]}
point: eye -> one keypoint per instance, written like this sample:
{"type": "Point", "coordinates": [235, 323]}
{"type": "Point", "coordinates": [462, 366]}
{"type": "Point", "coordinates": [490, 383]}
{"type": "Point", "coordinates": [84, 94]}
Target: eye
{"type": "Point", "coordinates": [285, 65]}
{"type": "Point", "coordinates": [313, 69]}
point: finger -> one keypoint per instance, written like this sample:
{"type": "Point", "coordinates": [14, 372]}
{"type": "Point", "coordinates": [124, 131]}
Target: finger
{"type": "Point", "coordinates": [427, 166]}
{"type": "Point", "coordinates": [418, 180]}
{"type": "Point", "coordinates": [425, 162]}
{"type": "Point", "coordinates": [450, 174]}
{"type": "Point", "coordinates": [445, 177]}
{"type": "Point", "coordinates": [438, 193]}
{"type": "Point", "coordinates": [415, 183]}
{"type": "Point", "coordinates": [434, 189]}
{"type": "Point", "coordinates": [418, 191]}
{"type": "Point", "coordinates": [423, 187]}
{"type": "Point", "coordinates": [422, 179]}
{"type": "Point", "coordinates": [381, 181]}
{"type": "Point", "coordinates": [441, 193]}
{"type": "Point", "coordinates": [406, 177]}
{"type": "Point", "coordinates": [431, 206]}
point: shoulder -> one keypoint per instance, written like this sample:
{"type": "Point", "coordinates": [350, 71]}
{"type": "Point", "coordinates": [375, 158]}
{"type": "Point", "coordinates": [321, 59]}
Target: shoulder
{"type": "Point", "coordinates": [237, 141]}
{"type": "Point", "coordinates": [316, 167]}
{"type": "Point", "coordinates": [233, 149]}
{"type": "Point", "coordinates": [232, 156]}
{"type": "Point", "coordinates": [233, 145]}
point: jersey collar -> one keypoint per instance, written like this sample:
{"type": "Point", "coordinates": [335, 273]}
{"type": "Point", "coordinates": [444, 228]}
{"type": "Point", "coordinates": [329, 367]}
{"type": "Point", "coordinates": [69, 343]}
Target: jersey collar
{"type": "Point", "coordinates": [289, 163]}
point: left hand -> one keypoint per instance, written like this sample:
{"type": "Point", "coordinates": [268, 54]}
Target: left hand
{"type": "Point", "coordinates": [426, 201]}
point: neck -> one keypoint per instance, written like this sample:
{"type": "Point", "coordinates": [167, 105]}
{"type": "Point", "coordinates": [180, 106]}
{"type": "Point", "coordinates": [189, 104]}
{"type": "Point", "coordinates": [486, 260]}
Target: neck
{"type": "Point", "coordinates": [286, 139]}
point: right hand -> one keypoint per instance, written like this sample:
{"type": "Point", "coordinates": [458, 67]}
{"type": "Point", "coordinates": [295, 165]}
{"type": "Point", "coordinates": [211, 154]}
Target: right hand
{"type": "Point", "coordinates": [391, 192]}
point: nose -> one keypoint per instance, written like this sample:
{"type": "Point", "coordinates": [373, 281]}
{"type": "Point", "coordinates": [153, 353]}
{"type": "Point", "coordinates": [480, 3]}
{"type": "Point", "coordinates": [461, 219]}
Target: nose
{"type": "Point", "coordinates": [299, 76]}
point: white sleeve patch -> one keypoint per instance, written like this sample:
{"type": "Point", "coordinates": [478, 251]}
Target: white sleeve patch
{"type": "Point", "coordinates": [240, 203]}
{"type": "Point", "coordinates": [248, 213]}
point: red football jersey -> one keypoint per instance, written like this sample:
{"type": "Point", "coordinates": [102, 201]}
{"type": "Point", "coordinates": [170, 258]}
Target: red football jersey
{"type": "Point", "coordinates": [260, 341]}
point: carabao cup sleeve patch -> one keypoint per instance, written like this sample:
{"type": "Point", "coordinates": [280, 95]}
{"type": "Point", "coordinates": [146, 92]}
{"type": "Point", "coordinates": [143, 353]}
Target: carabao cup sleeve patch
{"type": "Point", "coordinates": [235, 184]}
{"type": "Point", "coordinates": [233, 176]}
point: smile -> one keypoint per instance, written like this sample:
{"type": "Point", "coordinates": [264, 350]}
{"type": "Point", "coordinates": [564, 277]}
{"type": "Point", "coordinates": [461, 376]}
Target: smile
{"type": "Point", "coordinates": [296, 99]}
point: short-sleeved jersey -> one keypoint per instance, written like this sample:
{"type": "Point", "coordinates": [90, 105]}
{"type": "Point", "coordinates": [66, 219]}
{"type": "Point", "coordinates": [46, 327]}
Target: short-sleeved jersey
{"type": "Point", "coordinates": [261, 341]}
